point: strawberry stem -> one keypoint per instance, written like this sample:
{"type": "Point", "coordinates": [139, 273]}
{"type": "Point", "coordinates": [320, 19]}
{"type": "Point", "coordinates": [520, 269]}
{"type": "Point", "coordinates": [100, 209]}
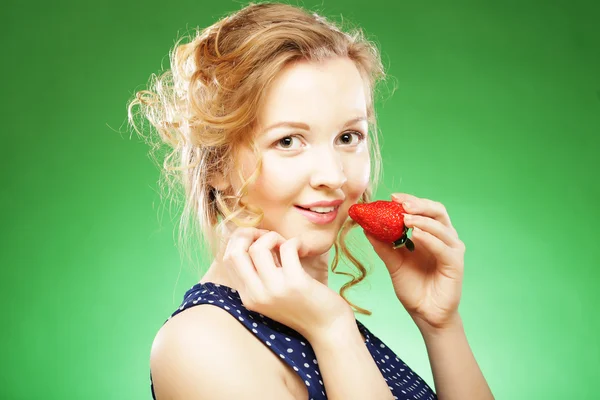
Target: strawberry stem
{"type": "Point", "coordinates": [404, 241]}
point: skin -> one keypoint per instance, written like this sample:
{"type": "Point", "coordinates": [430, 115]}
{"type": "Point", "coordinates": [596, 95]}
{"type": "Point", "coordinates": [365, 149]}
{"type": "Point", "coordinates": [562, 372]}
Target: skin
{"type": "Point", "coordinates": [428, 283]}
{"type": "Point", "coordinates": [322, 163]}
{"type": "Point", "coordinates": [329, 161]}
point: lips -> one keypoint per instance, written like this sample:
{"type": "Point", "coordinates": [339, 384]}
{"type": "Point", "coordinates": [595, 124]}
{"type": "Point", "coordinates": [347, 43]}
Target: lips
{"type": "Point", "coordinates": [318, 218]}
{"type": "Point", "coordinates": [308, 209]}
{"type": "Point", "coordinates": [322, 203]}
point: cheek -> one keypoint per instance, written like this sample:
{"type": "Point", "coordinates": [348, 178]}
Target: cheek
{"type": "Point", "coordinates": [275, 182]}
{"type": "Point", "coordinates": [358, 173]}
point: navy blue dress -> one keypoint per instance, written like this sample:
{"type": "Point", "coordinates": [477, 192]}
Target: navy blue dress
{"type": "Point", "coordinates": [297, 352]}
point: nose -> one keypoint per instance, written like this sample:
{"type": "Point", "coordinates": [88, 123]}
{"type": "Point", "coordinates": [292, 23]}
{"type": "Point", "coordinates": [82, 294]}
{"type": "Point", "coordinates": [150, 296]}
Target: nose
{"type": "Point", "coordinates": [328, 170]}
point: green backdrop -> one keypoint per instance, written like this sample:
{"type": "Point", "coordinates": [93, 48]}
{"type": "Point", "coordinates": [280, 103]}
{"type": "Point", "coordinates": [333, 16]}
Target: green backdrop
{"type": "Point", "coordinates": [497, 116]}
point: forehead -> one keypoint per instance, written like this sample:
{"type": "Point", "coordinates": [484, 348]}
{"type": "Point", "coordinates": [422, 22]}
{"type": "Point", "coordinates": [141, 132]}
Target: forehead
{"type": "Point", "coordinates": [318, 93]}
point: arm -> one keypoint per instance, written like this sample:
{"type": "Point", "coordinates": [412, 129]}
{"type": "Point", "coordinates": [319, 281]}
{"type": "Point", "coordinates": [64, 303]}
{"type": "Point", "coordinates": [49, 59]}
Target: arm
{"type": "Point", "coordinates": [455, 371]}
{"type": "Point", "coordinates": [348, 369]}
{"type": "Point", "coordinates": [203, 353]}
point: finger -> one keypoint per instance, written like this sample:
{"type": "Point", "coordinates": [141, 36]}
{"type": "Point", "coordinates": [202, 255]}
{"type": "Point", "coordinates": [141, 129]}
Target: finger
{"type": "Point", "coordinates": [262, 255]}
{"type": "Point", "coordinates": [386, 251]}
{"type": "Point", "coordinates": [240, 265]}
{"type": "Point", "coordinates": [425, 207]}
{"type": "Point", "coordinates": [446, 256]}
{"type": "Point", "coordinates": [434, 227]}
{"type": "Point", "coordinates": [290, 253]}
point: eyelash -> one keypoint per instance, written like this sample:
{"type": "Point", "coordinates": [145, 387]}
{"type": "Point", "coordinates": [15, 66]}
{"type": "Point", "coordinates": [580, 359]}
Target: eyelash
{"type": "Point", "coordinates": [361, 138]}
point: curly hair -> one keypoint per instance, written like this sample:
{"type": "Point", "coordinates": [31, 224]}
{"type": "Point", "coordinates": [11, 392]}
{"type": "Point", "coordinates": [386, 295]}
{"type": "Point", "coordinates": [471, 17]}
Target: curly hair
{"type": "Point", "coordinates": [206, 106]}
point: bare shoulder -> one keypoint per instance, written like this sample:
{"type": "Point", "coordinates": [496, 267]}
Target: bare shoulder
{"type": "Point", "coordinates": [204, 352]}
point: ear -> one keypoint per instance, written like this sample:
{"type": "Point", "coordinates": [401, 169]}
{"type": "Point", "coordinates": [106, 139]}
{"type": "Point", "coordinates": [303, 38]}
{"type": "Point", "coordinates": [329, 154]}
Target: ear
{"type": "Point", "coordinates": [219, 182]}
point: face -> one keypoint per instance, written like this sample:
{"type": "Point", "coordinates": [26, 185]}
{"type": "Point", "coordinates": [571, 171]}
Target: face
{"type": "Point", "coordinates": [323, 156]}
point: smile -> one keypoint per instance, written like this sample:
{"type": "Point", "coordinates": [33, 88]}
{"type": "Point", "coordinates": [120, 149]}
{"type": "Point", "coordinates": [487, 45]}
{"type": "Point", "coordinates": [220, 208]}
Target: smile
{"type": "Point", "coordinates": [321, 215]}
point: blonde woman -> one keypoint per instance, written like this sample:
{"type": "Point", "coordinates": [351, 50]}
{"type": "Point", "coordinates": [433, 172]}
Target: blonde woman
{"type": "Point", "coordinates": [270, 121]}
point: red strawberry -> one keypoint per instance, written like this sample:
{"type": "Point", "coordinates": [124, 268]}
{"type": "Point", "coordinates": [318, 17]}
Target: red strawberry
{"type": "Point", "coordinates": [384, 220]}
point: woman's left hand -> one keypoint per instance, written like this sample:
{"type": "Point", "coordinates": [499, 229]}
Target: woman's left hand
{"type": "Point", "coordinates": [427, 281]}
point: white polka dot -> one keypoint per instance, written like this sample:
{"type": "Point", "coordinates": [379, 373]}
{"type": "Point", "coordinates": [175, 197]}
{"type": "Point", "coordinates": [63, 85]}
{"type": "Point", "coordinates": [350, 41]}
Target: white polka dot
{"type": "Point", "coordinates": [407, 380]}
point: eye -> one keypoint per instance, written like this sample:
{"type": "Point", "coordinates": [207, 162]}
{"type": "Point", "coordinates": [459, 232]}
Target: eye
{"type": "Point", "coordinates": [347, 138]}
{"type": "Point", "coordinates": [287, 142]}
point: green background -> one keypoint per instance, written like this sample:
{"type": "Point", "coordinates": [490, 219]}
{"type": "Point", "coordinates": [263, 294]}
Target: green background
{"type": "Point", "coordinates": [497, 116]}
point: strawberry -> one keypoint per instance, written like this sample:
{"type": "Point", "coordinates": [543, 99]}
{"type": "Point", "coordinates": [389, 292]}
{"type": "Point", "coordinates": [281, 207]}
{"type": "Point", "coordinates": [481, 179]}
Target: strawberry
{"type": "Point", "coordinates": [384, 220]}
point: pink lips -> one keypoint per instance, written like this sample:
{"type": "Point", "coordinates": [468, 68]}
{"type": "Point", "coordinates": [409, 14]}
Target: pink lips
{"type": "Point", "coordinates": [319, 218]}
{"type": "Point", "coordinates": [333, 203]}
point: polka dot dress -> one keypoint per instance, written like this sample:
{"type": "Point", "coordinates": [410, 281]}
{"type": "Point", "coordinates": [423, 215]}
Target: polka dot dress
{"type": "Point", "coordinates": [296, 351]}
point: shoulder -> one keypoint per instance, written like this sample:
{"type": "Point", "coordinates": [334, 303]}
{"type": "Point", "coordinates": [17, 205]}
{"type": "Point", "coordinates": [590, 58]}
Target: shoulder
{"type": "Point", "coordinates": [204, 352]}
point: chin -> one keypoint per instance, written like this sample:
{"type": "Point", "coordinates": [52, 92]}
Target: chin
{"type": "Point", "coordinates": [318, 244]}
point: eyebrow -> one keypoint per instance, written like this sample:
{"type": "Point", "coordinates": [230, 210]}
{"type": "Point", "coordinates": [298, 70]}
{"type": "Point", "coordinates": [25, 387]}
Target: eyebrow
{"type": "Point", "coordinates": [302, 125]}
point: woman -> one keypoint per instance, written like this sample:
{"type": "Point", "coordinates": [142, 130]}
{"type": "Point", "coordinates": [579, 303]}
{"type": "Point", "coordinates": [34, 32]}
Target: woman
{"type": "Point", "coordinates": [269, 113]}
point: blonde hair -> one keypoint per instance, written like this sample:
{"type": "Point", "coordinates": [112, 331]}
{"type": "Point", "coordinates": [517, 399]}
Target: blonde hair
{"type": "Point", "coordinates": [206, 106]}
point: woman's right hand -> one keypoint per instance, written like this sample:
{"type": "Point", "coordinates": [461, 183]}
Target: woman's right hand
{"type": "Point", "coordinates": [282, 291]}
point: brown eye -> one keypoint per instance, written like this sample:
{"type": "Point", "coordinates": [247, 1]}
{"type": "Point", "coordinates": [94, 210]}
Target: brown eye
{"type": "Point", "coordinates": [287, 143]}
{"type": "Point", "coordinates": [346, 138]}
